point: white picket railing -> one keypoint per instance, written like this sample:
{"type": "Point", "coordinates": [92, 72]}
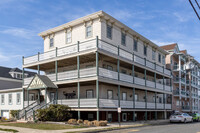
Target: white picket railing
{"type": "Point", "coordinates": [151, 105]}
{"type": "Point", "coordinates": [87, 72]}
{"type": "Point", "coordinates": [126, 78]}
{"type": "Point", "coordinates": [108, 47]}
{"type": "Point", "coordinates": [125, 54]}
{"type": "Point", "coordinates": [87, 45]}
{"type": "Point", "coordinates": [150, 64]}
{"type": "Point", "coordinates": [159, 86]}
{"type": "Point", "coordinates": [47, 55]}
{"type": "Point", "coordinates": [88, 102]}
{"type": "Point", "coordinates": [31, 59]}
{"type": "Point", "coordinates": [150, 84]}
{"type": "Point", "coordinates": [69, 102]}
{"type": "Point", "coordinates": [126, 104]}
{"type": "Point", "coordinates": [67, 50]}
{"type": "Point", "coordinates": [108, 103]}
{"type": "Point", "coordinates": [139, 104]}
{"type": "Point", "coordinates": [139, 81]}
{"type": "Point", "coordinates": [108, 73]}
{"type": "Point", "coordinates": [68, 75]}
{"type": "Point", "coordinates": [139, 60]}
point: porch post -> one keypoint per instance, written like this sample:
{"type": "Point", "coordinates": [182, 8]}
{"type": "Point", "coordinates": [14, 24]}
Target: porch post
{"type": "Point", "coordinates": [119, 102]}
{"type": "Point", "coordinates": [23, 94]}
{"type": "Point", "coordinates": [56, 69]}
{"type": "Point", "coordinates": [46, 96]}
{"type": "Point", "coordinates": [145, 76]}
{"type": "Point", "coordinates": [28, 96]}
{"type": "Point", "coordinates": [56, 95]}
{"type": "Point", "coordinates": [38, 67]}
{"type": "Point", "coordinates": [163, 83]}
{"type": "Point", "coordinates": [133, 97]}
{"type": "Point", "coordinates": [97, 81]}
{"type": "Point", "coordinates": [133, 115]}
{"type": "Point", "coordinates": [155, 79]}
{"type": "Point", "coordinates": [39, 95]}
{"type": "Point", "coordinates": [146, 104]}
{"type": "Point", "coordinates": [133, 73]}
{"type": "Point", "coordinates": [78, 84]}
{"type": "Point", "coordinates": [79, 116]}
{"type": "Point", "coordinates": [156, 105]}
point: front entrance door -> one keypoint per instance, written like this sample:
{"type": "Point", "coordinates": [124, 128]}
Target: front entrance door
{"type": "Point", "coordinates": [52, 96]}
{"type": "Point", "coordinates": [109, 117]}
{"type": "Point", "coordinates": [31, 97]}
{"type": "Point", "coordinates": [124, 116]}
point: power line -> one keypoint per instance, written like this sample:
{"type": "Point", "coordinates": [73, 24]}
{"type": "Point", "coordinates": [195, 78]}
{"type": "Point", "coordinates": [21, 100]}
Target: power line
{"type": "Point", "coordinates": [194, 9]}
{"type": "Point", "coordinates": [197, 4]}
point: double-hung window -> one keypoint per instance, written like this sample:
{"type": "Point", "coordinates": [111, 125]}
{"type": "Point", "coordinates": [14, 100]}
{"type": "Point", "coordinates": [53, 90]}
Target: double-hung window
{"type": "Point", "coordinates": [89, 31]}
{"type": "Point", "coordinates": [18, 98]}
{"type": "Point", "coordinates": [2, 99]}
{"type": "Point", "coordinates": [110, 94]}
{"type": "Point", "coordinates": [123, 39]}
{"type": "Point", "coordinates": [145, 50]}
{"type": "Point", "coordinates": [135, 45]}
{"type": "Point", "coordinates": [109, 31]}
{"type": "Point", "coordinates": [89, 93]}
{"type": "Point", "coordinates": [124, 98]}
{"type": "Point", "coordinates": [9, 98]}
{"type": "Point", "coordinates": [69, 37]}
{"type": "Point", "coordinates": [153, 55]}
{"type": "Point", "coordinates": [159, 58]}
{"type": "Point", "coordinates": [51, 42]}
{"type": "Point", "coordinates": [163, 60]}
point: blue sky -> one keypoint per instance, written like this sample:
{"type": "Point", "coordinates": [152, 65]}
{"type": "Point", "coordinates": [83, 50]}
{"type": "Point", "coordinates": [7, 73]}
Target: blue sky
{"type": "Point", "coordinates": [161, 21]}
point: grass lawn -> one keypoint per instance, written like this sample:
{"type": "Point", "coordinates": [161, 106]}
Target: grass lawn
{"type": "Point", "coordinates": [42, 126]}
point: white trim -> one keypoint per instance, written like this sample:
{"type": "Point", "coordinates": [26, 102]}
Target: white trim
{"type": "Point", "coordinates": [9, 79]}
{"type": "Point", "coordinates": [10, 90]}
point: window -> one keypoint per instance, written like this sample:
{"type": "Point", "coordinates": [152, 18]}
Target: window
{"type": "Point", "coordinates": [159, 58]}
{"type": "Point", "coordinates": [89, 93]}
{"type": "Point", "coordinates": [110, 67]}
{"type": "Point", "coordinates": [18, 76]}
{"type": "Point", "coordinates": [109, 31]}
{"type": "Point", "coordinates": [69, 37]}
{"type": "Point", "coordinates": [110, 94]}
{"type": "Point", "coordinates": [135, 45]}
{"type": "Point", "coordinates": [153, 55]}
{"type": "Point", "coordinates": [136, 97]}
{"type": "Point", "coordinates": [2, 99]}
{"type": "Point", "coordinates": [89, 31]}
{"type": "Point", "coordinates": [145, 50]}
{"type": "Point", "coordinates": [9, 98]}
{"type": "Point", "coordinates": [51, 42]}
{"type": "Point", "coordinates": [18, 98]}
{"type": "Point", "coordinates": [124, 96]}
{"type": "Point", "coordinates": [163, 60]}
{"type": "Point", "coordinates": [123, 39]}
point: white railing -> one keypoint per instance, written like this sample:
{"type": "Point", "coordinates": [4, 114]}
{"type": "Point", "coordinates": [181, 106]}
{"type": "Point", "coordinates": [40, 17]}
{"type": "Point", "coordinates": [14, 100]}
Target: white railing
{"type": "Point", "coordinates": [52, 77]}
{"type": "Point", "coordinates": [88, 102]}
{"type": "Point", "coordinates": [126, 78]}
{"type": "Point", "coordinates": [68, 75]}
{"type": "Point", "coordinates": [167, 88]}
{"type": "Point", "coordinates": [108, 73]}
{"type": "Point", "coordinates": [108, 47]}
{"type": "Point", "coordinates": [159, 68]}
{"type": "Point", "coordinates": [87, 45]}
{"type": "Point", "coordinates": [160, 105]}
{"type": "Point", "coordinates": [150, 84]}
{"type": "Point", "coordinates": [159, 86]}
{"type": "Point", "coordinates": [27, 80]}
{"type": "Point", "coordinates": [69, 102]}
{"type": "Point", "coordinates": [167, 72]}
{"type": "Point", "coordinates": [125, 54]}
{"type": "Point", "coordinates": [47, 55]}
{"type": "Point", "coordinates": [139, 104]}
{"type": "Point", "coordinates": [108, 103]}
{"type": "Point", "coordinates": [150, 64]}
{"type": "Point", "coordinates": [139, 60]}
{"type": "Point", "coordinates": [126, 104]}
{"type": "Point", "coordinates": [67, 50]}
{"type": "Point", "coordinates": [31, 59]}
{"type": "Point", "coordinates": [139, 81]}
{"type": "Point", "coordinates": [168, 106]}
{"type": "Point", "coordinates": [151, 105]}
{"type": "Point", "coordinates": [87, 72]}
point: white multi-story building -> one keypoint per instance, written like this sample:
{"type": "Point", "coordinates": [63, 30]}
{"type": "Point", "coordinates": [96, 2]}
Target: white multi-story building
{"type": "Point", "coordinates": [96, 64]}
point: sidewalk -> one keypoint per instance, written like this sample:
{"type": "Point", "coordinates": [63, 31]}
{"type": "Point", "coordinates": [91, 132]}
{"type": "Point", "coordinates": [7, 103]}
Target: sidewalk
{"type": "Point", "coordinates": [110, 125]}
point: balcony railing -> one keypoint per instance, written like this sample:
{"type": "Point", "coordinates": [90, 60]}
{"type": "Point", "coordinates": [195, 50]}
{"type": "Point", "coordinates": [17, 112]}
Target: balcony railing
{"type": "Point", "coordinates": [92, 44]}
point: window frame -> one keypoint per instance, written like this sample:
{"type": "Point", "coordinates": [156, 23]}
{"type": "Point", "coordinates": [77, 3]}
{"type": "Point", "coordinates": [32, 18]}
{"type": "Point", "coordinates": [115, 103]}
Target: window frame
{"type": "Point", "coordinates": [86, 31]}
{"type": "Point", "coordinates": [51, 46]}
{"type": "Point", "coordinates": [153, 55]}
{"type": "Point", "coordinates": [107, 35]}
{"type": "Point", "coordinates": [135, 45]}
{"type": "Point", "coordinates": [108, 93]}
{"type": "Point", "coordinates": [163, 59]}
{"type": "Point", "coordinates": [3, 103]}
{"type": "Point", "coordinates": [10, 103]}
{"type": "Point", "coordinates": [18, 103]}
{"type": "Point", "coordinates": [123, 41]}
{"type": "Point", "coordinates": [159, 57]}
{"type": "Point", "coordinates": [67, 33]}
{"type": "Point", "coordinates": [87, 93]}
{"type": "Point", "coordinates": [122, 96]}
{"type": "Point", "coordinates": [145, 50]}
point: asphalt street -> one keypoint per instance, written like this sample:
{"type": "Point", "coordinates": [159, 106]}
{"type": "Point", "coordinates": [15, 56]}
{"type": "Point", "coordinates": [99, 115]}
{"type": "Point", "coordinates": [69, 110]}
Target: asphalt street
{"type": "Point", "coordinates": [168, 128]}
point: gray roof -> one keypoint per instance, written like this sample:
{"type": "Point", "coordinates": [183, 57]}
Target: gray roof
{"type": "Point", "coordinates": [47, 81]}
{"type": "Point", "coordinates": [4, 72]}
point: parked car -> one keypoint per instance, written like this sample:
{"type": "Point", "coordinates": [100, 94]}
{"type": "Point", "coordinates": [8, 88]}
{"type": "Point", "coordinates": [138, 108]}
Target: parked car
{"type": "Point", "coordinates": [196, 116]}
{"type": "Point", "coordinates": [181, 117]}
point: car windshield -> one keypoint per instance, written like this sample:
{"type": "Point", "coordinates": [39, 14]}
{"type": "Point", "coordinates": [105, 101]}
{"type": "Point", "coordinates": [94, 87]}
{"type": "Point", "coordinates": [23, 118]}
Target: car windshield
{"type": "Point", "coordinates": [177, 114]}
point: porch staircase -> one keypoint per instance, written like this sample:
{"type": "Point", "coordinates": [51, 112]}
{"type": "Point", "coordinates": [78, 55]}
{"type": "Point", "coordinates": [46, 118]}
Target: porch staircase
{"type": "Point", "coordinates": [28, 113]}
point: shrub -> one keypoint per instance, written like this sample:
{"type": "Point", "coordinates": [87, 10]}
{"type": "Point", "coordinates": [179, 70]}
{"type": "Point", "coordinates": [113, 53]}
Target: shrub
{"type": "Point", "coordinates": [14, 113]}
{"type": "Point", "coordinates": [72, 121]}
{"type": "Point", "coordinates": [85, 122]}
{"type": "Point", "coordinates": [54, 113]}
{"type": "Point", "coordinates": [102, 123]}
{"type": "Point", "coordinates": [79, 121]}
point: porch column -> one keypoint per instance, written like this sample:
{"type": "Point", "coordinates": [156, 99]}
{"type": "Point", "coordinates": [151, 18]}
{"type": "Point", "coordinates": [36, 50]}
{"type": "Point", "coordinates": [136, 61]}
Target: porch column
{"type": "Point", "coordinates": [23, 96]}
{"type": "Point", "coordinates": [163, 83]}
{"type": "Point", "coordinates": [118, 102]}
{"type": "Point", "coordinates": [39, 95]}
{"type": "Point", "coordinates": [133, 73]}
{"type": "Point", "coordinates": [79, 116]}
{"type": "Point", "coordinates": [155, 79]}
{"type": "Point", "coordinates": [56, 95]}
{"type": "Point", "coordinates": [28, 96]}
{"type": "Point", "coordinates": [146, 104]}
{"type": "Point", "coordinates": [133, 115]}
{"type": "Point", "coordinates": [156, 105]}
{"type": "Point", "coordinates": [46, 96]}
{"type": "Point", "coordinates": [56, 69]}
{"type": "Point", "coordinates": [145, 76]}
{"type": "Point", "coordinates": [38, 67]}
{"type": "Point", "coordinates": [78, 84]}
{"type": "Point", "coordinates": [97, 81]}
{"type": "Point", "coordinates": [133, 97]}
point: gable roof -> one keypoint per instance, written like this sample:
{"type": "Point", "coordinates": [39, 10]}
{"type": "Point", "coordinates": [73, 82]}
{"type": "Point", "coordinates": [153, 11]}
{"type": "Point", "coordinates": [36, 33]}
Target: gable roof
{"type": "Point", "coordinates": [40, 82]}
{"type": "Point", "coordinates": [183, 51]}
{"type": "Point", "coordinates": [169, 46]}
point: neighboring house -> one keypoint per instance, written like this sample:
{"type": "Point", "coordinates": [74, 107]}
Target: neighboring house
{"type": "Point", "coordinates": [97, 64]}
{"type": "Point", "coordinates": [11, 95]}
{"type": "Point", "coordinates": [186, 76]}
